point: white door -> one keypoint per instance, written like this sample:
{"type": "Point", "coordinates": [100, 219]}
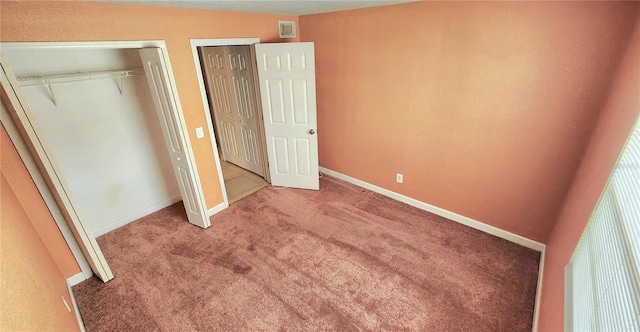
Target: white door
{"type": "Point", "coordinates": [288, 89]}
{"type": "Point", "coordinates": [175, 135]}
{"type": "Point", "coordinates": [240, 72]}
{"type": "Point", "coordinates": [216, 75]}
{"type": "Point", "coordinates": [22, 119]}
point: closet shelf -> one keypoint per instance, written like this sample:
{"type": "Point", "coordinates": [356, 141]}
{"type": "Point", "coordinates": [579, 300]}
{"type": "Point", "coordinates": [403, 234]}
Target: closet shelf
{"type": "Point", "coordinates": [79, 76]}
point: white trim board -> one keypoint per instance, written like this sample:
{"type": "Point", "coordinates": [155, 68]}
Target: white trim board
{"type": "Point", "coordinates": [77, 278]}
{"type": "Point", "coordinates": [521, 240]}
{"type": "Point", "coordinates": [114, 44]}
{"type": "Point", "coordinates": [217, 209]}
{"type": "Point", "coordinates": [76, 310]}
{"type": "Point", "coordinates": [536, 308]}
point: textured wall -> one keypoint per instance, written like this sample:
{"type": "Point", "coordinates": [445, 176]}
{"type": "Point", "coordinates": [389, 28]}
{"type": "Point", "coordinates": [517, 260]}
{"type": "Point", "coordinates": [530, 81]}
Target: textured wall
{"type": "Point", "coordinates": [614, 126]}
{"type": "Point", "coordinates": [34, 206]}
{"type": "Point", "coordinates": [93, 21]}
{"type": "Point", "coordinates": [34, 267]}
{"type": "Point", "coordinates": [485, 107]}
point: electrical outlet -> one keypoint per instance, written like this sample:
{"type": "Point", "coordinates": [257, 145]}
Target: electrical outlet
{"type": "Point", "coordinates": [399, 178]}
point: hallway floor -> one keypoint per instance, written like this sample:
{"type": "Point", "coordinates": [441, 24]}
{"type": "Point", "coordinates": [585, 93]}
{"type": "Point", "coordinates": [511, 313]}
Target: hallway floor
{"type": "Point", "coordinates": [239, 182]}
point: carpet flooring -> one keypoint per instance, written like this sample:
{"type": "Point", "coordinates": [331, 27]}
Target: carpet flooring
{"type": "Point", "coordinates": [342, 258]}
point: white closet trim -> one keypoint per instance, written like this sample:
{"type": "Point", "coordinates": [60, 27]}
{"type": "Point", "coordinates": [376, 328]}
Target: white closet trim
{"type": "Point", "coordinates": [85, 45]}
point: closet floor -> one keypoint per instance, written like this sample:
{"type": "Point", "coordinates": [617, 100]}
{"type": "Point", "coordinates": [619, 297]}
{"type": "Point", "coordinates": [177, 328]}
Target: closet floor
{"type": "Point", "coordinates": [240, 183]}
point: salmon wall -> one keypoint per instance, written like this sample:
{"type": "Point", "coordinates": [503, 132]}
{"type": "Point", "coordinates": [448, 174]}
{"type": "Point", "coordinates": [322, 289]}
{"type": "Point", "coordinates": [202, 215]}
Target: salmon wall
{"type": "Point", "coordinates": [35, 208]}
{"type": "Point", "coordinates": [614, 126]}
{"type": "Point", "coordinates": [47, 21]}
{"type": "Point", "coordinates": [485, 107]}
{"type": "Point", "coordinates": [33, 275]}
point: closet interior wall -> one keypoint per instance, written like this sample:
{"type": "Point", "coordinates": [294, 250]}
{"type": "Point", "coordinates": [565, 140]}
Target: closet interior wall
{"type": "Point", "coordinates": [231, 84]}
{"type": "Point", "coordinates": [103, 132]}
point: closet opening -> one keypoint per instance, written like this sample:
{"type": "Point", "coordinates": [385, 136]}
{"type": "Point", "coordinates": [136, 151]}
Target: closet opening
{"type": "Point", "coordinates": [103, 126]}
{"type": "Point", "coordinates": [97, 115]}
{"type": "Point", "coordinates": [231, 86]}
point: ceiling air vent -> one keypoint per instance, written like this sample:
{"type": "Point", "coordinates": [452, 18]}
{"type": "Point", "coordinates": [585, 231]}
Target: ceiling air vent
{"type": "Point", "coordinates": [287, 29]}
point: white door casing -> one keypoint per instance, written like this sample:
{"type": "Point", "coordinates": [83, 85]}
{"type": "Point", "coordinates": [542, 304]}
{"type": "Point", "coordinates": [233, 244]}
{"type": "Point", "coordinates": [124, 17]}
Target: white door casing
{"type": "Point", "coordinates": [175, 135]}
{"type": "Point", "coordinates": [24, 119]}
{"type": "Point", "coordinates": [286, 72]}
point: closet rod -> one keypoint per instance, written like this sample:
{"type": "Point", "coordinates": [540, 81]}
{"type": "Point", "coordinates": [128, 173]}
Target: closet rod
{"type": "Point", "coordinates": [79, 76]}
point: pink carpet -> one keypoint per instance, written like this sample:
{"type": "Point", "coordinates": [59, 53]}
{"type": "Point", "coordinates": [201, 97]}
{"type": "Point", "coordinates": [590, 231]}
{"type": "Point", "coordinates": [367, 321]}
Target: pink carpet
{"type": "Point", "coordinates": [342, 258]}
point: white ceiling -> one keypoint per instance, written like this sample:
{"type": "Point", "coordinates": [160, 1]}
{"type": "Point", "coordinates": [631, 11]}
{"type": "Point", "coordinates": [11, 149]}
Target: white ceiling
{"type": "Point", "coordinates": [295, 7]}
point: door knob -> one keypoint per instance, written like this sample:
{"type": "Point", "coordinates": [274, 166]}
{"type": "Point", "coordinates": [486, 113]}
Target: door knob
{"type": "Point", "coordinates": [178, 159]}
{"type": "Point", "coordinates": [311, 131]}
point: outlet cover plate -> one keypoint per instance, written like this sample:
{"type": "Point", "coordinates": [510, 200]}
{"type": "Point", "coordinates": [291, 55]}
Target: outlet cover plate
{"type": "Point", "coordinates": [199, 132]}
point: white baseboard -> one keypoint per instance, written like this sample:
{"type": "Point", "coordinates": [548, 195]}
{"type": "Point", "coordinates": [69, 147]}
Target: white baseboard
{"type": "Point", "coordinates": [217, 209]}
{"type": "Point", "coordinates": [515, 238]}
{"type": "Point", "coordinates": [133, 217]}
{"type": "Point", "coordinates": [536, 309]}
{"type": "Point", "coordinates": [75, 304]}
{"type": "Point", "coordinates": [78, 278]}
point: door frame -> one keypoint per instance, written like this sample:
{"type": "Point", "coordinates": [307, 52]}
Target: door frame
{"type": "Point", "coordinates": [195, 43]}
{"type": "Point", "coordinates": [160, 44]}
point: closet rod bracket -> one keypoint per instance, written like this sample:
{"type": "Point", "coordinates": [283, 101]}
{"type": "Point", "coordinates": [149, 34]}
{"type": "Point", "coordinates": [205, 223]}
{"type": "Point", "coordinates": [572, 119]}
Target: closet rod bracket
{"type": "Point", "coordinates": [120, 85]}
{"type": "Point", "coordinates": [53, 97]}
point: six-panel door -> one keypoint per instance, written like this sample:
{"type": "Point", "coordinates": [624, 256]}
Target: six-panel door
{"type": "Point", "coordinates": [288, 91]}
{"type": "Point", "coordinates": [241, 75]}
{"type": "Point", "coordinates": [222, 104]}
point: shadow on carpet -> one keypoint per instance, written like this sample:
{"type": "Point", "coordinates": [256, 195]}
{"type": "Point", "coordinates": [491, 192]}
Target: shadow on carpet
{"type": "Point", "coordinates": [342, 258]}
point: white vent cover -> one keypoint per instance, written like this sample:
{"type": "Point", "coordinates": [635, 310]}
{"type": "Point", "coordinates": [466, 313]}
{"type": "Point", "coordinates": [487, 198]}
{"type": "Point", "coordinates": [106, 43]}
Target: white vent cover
{"type": "Point", "coordinates": [287, 29]}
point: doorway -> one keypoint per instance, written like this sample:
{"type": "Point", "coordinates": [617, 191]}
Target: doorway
{"type": "Point", "coordinates": [286, 80]}
{"type": "Point", "coordinates": [235, 108]}
{"type": "Point", "coordinates": [231, 194]}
